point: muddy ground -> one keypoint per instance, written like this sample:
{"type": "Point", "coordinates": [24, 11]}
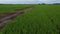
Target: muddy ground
{"type": "Point", "coordinates": [7, 17]}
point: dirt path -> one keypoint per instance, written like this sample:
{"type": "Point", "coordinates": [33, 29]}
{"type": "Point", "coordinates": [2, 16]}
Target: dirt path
{"type": "Point", "coordinates": [6, 17]}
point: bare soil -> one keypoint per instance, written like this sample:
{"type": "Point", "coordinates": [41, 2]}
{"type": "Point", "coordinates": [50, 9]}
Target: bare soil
{"type": "Point", "coordinates": [6, 17]}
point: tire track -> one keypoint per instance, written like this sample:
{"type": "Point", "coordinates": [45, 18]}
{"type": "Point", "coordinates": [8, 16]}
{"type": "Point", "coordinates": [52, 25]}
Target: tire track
{"type": "Point", "coordinates": [7, 17]}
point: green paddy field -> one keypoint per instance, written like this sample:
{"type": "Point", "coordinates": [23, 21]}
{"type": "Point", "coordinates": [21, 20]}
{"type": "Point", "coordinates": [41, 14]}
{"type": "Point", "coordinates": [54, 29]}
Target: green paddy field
{"type": "Point", "coordinates": [42, 19]}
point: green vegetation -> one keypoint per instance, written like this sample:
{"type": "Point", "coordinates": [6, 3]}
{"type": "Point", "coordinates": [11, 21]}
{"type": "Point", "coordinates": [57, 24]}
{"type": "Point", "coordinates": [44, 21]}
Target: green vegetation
{"type": "Point", "coordinates": [42, 19]}
{"type": "Point", "coordinates": [12, 7]}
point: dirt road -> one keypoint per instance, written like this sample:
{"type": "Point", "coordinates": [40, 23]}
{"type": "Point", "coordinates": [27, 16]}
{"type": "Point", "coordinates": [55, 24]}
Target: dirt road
{"type": "Point", "coordinates": [6, 17]}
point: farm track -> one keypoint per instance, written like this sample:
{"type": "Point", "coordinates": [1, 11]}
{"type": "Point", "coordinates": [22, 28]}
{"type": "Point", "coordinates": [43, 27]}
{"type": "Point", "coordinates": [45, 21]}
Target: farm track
{"type": "Point", "coordinates": [7, 17]}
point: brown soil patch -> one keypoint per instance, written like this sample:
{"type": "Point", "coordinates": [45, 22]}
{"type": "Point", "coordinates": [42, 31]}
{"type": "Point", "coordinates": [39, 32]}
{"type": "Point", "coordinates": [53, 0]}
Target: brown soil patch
{"type": "Point", "coordinates": [6, 17]}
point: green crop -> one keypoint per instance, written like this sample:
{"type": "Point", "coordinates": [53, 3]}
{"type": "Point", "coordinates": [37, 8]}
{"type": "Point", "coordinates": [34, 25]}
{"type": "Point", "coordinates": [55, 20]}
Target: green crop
{"type": "Point", "coordinates": [42, 19]}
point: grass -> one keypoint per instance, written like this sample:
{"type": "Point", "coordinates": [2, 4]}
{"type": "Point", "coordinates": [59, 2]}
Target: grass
{"type": "Point", "coordinates": [42, 19]}
{"type": "Point", "coordinates": [12, 7]}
